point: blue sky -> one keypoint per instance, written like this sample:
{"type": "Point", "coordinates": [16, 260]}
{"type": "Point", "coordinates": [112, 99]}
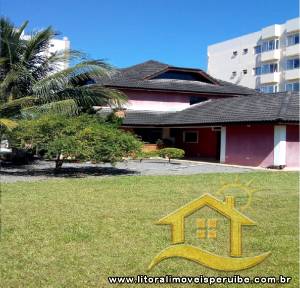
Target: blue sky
{"type": "Point", "coordinates": [126, 32]}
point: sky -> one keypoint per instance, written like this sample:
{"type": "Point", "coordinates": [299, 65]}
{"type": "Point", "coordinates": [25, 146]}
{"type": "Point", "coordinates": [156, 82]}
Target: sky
{"type": "Point", "coordinates": [128, 32]}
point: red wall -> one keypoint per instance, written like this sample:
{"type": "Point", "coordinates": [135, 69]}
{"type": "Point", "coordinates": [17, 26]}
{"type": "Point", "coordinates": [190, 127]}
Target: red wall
{"type": "Point", "coordinates": [207, 146]}
{"type": "Point", "coordinates": [292, 146]}
{"type": "Point", "coordinates": [250, 145]}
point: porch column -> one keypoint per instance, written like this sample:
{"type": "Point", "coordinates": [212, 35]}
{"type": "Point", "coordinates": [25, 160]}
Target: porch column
{"type": "Point", "coordinates": [279, 145]}
{"type": "Point", "coordinates": [166, 133]}
{"type": "Point", "coordinates": [223, 145]}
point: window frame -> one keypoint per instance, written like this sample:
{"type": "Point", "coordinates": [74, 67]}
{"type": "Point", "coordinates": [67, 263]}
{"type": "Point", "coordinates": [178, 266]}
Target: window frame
{"type": "Point", "coordinates": [291, 39]}
{"type": "Point", "coordinates": [270, 45]}
{"type": "Point", "coordinates": [190, 131]}
{"type": "Point", "coordinates": [257, 49]}
{"type": "Point", "coordinates": [292, 85]}
{"type": "Point", "coordinates": [292, 61]}
{"type": "Point", "coordinates": [268, 90]}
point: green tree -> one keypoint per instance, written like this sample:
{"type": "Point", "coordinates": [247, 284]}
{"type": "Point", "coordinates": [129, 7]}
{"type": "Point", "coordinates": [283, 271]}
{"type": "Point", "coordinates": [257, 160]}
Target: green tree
{"type": "Point", "coordinates": [85, 137]}
{"type": "Point", "coordinates": [31, 82]}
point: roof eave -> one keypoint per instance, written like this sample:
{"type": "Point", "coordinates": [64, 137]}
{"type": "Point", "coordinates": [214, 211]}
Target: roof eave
{"type": "Point", "coordinates": [222, 123]}
{"type": "Point", "coordinates": [176, 90]}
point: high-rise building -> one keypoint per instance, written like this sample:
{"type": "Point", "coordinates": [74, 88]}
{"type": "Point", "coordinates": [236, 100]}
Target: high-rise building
{"type": "Point", "coordinates": [56, 45]}
{"type": "Point", "coordinates": [267, 60]}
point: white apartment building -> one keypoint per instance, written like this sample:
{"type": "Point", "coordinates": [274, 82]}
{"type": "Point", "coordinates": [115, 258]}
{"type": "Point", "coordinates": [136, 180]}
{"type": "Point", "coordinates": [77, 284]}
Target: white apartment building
{"type": "Point", "coordinates": [267, 60]}
{"type": "Point", "coordinates": [57, 45]}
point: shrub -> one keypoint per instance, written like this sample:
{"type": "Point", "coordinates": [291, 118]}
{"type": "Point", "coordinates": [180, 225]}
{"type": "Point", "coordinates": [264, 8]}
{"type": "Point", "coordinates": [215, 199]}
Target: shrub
{"type": "Point", "coordinates": [86, 137]}
{"type": "Point", "coordinates": [171, 153]}
{"type": "Point", "coordinates": [142, 155]}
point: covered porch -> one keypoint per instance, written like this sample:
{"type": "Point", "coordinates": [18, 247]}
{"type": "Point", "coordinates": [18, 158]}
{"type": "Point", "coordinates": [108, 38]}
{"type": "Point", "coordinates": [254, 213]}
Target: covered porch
{"type": "Point", "coordinates": [199, 143]}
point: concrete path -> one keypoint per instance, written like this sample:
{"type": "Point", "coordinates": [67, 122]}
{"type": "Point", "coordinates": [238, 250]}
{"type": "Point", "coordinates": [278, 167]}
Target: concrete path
{"type": "Point", "coordinates": [45, 169]}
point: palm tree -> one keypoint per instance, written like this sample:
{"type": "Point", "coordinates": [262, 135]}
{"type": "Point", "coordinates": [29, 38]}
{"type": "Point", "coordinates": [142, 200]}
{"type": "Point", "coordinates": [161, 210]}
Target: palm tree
{"type": "Point", "coordinates": [31, 82]}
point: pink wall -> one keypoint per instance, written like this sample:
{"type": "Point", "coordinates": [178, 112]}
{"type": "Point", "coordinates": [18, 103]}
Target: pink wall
{"type": "Point", "coordinates": [251, 146]}
{"type": "Point", "coordinates": [160, 101]}
{"type": "Point", "coordinates": [292, 146]}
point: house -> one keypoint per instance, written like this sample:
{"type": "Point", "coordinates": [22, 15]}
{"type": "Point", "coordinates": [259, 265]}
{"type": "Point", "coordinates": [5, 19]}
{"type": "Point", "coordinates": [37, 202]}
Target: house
{"type": "Point", "coordinates": [210, 119]}
{"type": "Point", "coordinates": [237, 220]}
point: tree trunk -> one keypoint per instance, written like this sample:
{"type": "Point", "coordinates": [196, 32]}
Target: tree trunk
{"type": "Point", "coordinates": [59, 162]}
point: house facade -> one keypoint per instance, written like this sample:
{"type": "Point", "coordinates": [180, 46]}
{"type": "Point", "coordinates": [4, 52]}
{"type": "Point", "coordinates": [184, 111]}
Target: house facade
{"type": "Point", "coordinates": [210, 119]}
{"type": "Point", "coordinates": [267, 60]}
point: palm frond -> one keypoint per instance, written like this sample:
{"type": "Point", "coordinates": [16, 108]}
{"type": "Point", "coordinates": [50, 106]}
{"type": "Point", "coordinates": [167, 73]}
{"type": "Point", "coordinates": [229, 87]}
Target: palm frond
{"type": "Point", "coordinates": [37, 44]}
{"type": "Point", "coordinates": [30, 83]}
{"type": "Point", "coordinates": [66, 107]}
{"type": "Point", "coordinates": [14, 107]}
{"type": "Point", "coordinates": [8, 123]}
{"type": "Point", "coordinates": [49, 87]}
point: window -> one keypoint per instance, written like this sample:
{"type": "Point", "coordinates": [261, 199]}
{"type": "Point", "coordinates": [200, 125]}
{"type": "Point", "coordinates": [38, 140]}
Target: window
{"type": "Point", "coordinates": [257, 71]}
{"type": "Point", "coordinates": [183, 75]}
{"type": "Point", "coordinates": [51, 45]}
{"type": "Point", "coordinates": [245, 71]}
{"type": "Point", "coordinates": [270, 45]}
{"type": "Point", "coordinates": [206, 228]}
{"type": "Point", "coordinates": [293, 39]}
{"type": "Point", "coordinates": [257, 49]}
{"type": "Point", "coordinates": [292, 86]}
{"type": "Point", "coordinates": [269, 89]}
{"type": "Point", "coordinates": [234, 53]}
{"type": "Point", "coordinates": [233, 74]}
{"type": "Point", "coordinates": [266, 69]}
{"type": "Point", "coordinates": [292, 64]}
{"type": "Point", "coordinates": [190, 137]}
{"type": "Point", "coordinates": [197, 99]}
{"type": "Point", "coordinates": [245, 51]}
{"type": "Point", "coordinates": [269, 68]}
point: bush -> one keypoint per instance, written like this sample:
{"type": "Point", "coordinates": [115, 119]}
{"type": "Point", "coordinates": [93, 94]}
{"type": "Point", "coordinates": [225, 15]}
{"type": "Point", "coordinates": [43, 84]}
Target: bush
{"type": "Point", "coordinates": [142, 155]}
{"type": "Point", "coordinates": [86, 137]}
{"type": "Point", "coordinates": [171, 153]}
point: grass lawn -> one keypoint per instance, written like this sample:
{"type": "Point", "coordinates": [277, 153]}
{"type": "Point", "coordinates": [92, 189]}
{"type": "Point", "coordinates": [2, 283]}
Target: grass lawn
{"type": "Point", "coordinates": [77, 232]}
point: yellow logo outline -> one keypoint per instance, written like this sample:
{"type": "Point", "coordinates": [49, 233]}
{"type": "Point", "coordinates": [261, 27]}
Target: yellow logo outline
{"type": "Point", "coordinates": [227, 208]}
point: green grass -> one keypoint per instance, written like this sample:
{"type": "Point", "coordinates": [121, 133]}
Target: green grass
{"type": "Point", "coordinates": [77, 232]}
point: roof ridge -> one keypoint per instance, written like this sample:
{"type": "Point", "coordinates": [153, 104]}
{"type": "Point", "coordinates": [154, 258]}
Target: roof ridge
{"type": "Point", "coordinates": [143, 63]}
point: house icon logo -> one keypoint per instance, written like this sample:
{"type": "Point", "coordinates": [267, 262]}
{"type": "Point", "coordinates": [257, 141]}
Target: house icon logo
{"type": "Point", "coordinates": [233, 262]}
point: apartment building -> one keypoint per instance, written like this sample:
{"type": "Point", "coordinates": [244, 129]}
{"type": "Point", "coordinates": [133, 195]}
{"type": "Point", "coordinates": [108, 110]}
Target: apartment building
{"type": "Point", "coordinates": [267, 60]}
{"type": "Point", "coordinates": [56, 45]}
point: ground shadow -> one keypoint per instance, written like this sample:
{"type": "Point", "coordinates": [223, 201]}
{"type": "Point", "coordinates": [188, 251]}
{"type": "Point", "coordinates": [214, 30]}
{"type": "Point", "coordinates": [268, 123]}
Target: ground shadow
{"type": "Point", "coordinates": [64, 172]}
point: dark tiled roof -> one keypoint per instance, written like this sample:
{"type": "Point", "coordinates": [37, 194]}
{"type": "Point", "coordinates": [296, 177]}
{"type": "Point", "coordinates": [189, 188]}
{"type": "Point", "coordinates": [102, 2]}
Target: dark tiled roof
{"type": "Point", "coordinates": [139, 77]}
{"type": "Point", "coordinates": [278, 107]}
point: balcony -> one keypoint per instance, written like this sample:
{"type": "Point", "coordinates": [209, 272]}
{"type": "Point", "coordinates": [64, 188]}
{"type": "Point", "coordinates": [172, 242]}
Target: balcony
{"type": "Point", "coordinates": [270, 78]}
{"type": "Point", "coordinates": [292, 25]}
{"type": "Point", "coordinates": [292, 74]}
{"type": "Point", "coordinates": [270, 55]}
{"type": "Point", "coordinates": [292, 50]}
{"type": "Point", "coordinates": [271, 32]}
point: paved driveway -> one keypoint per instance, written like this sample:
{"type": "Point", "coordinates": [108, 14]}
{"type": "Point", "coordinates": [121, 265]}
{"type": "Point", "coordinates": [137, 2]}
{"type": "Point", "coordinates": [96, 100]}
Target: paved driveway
{"type": "Point", "coordinates": [43, 169]}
